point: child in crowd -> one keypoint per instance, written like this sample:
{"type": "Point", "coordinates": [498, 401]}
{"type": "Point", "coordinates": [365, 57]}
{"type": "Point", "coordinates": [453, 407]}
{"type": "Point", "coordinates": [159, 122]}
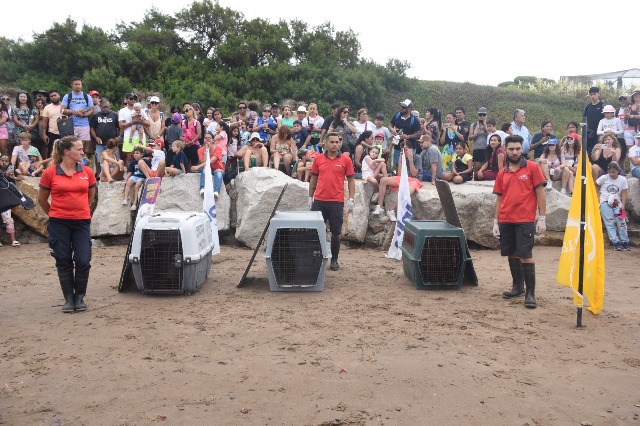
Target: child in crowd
{"type": "Point", "coordinates": [134, 176]}
{"type": "Point", "coordinates": [112, 168]}
{"type": "Point", "coordinates": [158, 159]}
{"type": "Point", "coordinates": [461, 165]}
{"type": "Point", "coordinates": [303, 166]}
{"type": "Point", "coordinates": [35, 165]}
{"type": "Point", "coordinates": [244, 134]}
{"type": "Point", "coordinates": [613, 197]}
{"type": "Point", "coordinates": [234, 143]}
{"type": "Point", "coordinates": [137, 128]}
{"type": "Point", "coordinates": [552, 162]}
{"type": "Point", "coordinates": [221, 139]}
{"type": "Point", "coordinates": [178, 166]}
{"type": "Point", "coordinates": [20, 156]}
{"type": "Point", "coordinates": [6, 168]}
{"type": "Point", "coordinates": [570, 152]}
{"type": "Point", "coordinates": [634, 157]}
{"type": "Point", "coordinates": [7, 220]}
{"type": "Point", "coordinates": [374, 168]}
{"type": "Point", "coordinates": [300, 135]}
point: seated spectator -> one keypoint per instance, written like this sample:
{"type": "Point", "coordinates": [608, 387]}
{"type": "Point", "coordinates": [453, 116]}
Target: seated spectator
{"type": "Point", "coordinates": [35, 166]}
{"type": "Point", "coordinates": [234, 143]}
{"type": "Point", "coordinates": [300, 135]}
{"type": "Point", "coordinates": [552, 162]}
{"type": "Point", "coordinates": [461, 165]}
{"type": "Point", "coordinates": [363, 144]}
{"type": "Point", "coordinates": [135, 176]}
{"type": "Point", "coordinates": [493, 130]}
{"type": "Point", "coordinates": [287, 118]}
{"type": "Point", "coordinates": [604, 152]}
{"type": "Point", "coordinates": [254, 154]}
{"type": "Point", "coordinates": [20, 156]}
{"type": "Point", "coordinates": [302, 170]}
{"type": "Point", "coordinates": [571, 153]}
{"type": "Point", "coordinates": [283, 148]}
{"type": "Point", "coordinates": [495, 159]}
{"type": "Point", "coordinates": [112, 168]}
{"type": "Point", "coordinates": [613, 124]}
{"type": "Point", "coordinates": [413, 165]}
{"type": "Point", "coordinates": [539, 140]}
{"type": "Point", "coordinates": [613, 197]}
{"type": "Point", "coordinates": [216, 164]}
{"type": "Point", "coordinates": [158, 160]}
{"type": "Point", "coordinates": [313, 124]}
{"type": "Point", "coordinates": [431, 160]}
{"type": "Point", "coordinates": [266, 126]}
{"type": "Point", "coordinates": [179, 162]}
{"type": "Point", "coordinates": [374, 168]}
{"type": "Point", "coordinates": [634, 157]}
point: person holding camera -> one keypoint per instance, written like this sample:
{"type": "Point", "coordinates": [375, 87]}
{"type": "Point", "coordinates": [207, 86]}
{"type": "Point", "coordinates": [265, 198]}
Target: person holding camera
{"type": "Point", "coordinates": [478, 135]}
{"type": "Point", "coordinates": [540, 140]}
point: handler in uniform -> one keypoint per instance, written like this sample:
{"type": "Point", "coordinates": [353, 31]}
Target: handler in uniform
{"type": "Point", "coordinates": [520, 192]}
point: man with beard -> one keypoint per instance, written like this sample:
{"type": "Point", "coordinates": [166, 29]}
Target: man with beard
{"type": "Point", "coordinates": [49, 122]}
{"type": "Point", "coordinates": [519, 188]}
{"type": "Point", "coordinates": [103, 126]}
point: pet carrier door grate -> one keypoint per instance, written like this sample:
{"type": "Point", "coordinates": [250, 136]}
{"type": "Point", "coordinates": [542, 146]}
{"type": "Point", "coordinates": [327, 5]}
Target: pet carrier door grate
{"type": "Point", "coordinates": [440, 260]}
{"type": "Point", "coordinates": [161, 260]}
{"type": "Point", "coordinates": [297, 251]}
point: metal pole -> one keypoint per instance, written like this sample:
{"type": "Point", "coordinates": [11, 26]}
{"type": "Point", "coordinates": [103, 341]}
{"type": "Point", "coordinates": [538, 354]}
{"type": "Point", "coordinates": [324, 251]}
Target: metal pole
{"type": "Point", "coordinates": [583, 197]}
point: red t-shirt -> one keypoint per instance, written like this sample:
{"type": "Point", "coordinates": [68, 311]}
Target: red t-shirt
{"type": "Point", "coordinates": [331, 174]}
{"type": "Point", "coordinates": [216, 152]}
{"type": "Point", "coordinates": [69, 194]}
{"type": "Point", "coordinates": [519, 199]}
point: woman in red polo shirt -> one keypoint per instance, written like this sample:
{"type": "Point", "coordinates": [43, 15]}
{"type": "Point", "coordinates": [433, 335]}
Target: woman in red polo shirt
{"type": "Point", "coordinates": [72, 187]}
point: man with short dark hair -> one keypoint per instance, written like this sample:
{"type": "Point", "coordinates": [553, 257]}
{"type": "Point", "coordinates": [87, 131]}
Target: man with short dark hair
{"type": "Point", "coordinates": [95, 97]}
{"type": "Point", "coordinates": [431, 160]}
{"type": "Point", "coordinates": [327, 122]}
{"type": "Point", "coordinates": [326, 189]}
{"type": "Point", "coordinates": [407, 127]}
{"type": "Point", "coordinates": [104, 126]}
{"type": "Point", "coordinates": [275, 111]}
{"type": "Point", "coordinates": [593, 114]}
{"type": "Point", "coordinates": [519, 189]}
{"type": "Point", "coordinates": [479, 136]}
{"type": "Point", "coordinates": [462, 123]}
{"type": "Point", "coordinates": [49, 122]}
{"type": "Point", "coordinates": [80, 106]}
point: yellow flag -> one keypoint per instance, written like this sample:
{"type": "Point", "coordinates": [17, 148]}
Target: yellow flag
{"type": "Point", "coordinates": [593, 277]}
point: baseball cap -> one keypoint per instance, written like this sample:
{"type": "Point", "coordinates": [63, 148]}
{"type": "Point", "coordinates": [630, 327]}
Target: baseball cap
{"type": "Point", "coordinates": [33, 151]}
{"type": "Point", "coordinates": [301, 108]}
{"type": "Point", "coordinates": [94, 92]}
{"type": "Point", "coordinates": [594, 89]}
{"type": "Point", "coordinates": [483, 110]}
{"type": "Point", "coordinates": [623, 96]}
{"type": "Point", "coordinates": [297, 122]}
{"type": "Point", "coordinates": [176, 118]}
{"type": "Point", "coordinates": [553, 141]}
{"type": "Point", "coordinates": [131, 95]}
{"type": "Point", "coordinates": [608, 108]}
{"type": "Point", "coordinates": [154, 99]}
{"type": "Point", "coordinates": [275, 105]}
{"type": "Point", "coordinates": [573, 135]}
{"type": "Point", "coordinates": [380, 135]}
{"type": "Point", "coordinates": [159, 142]}
{"type": "Point", "coordinates": [255, 135]}
{"type": "Point", "coordinates": [39, 92]}
{"type": "Point", "coordinates": [195, 105]}
{"type": "Point", "coordinates": [406, 103]}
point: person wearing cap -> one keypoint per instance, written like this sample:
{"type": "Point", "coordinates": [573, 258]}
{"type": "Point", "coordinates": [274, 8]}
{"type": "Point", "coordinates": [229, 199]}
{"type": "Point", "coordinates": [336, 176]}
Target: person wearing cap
{"type": "Point", "coordinates": [478, 134]}
{"type": "Point", "coordinates": [49, 122]}
{"type": "Point", "coordinates": [158, 159]}
{"type": "Point", "coordinates": [275, 112]}
{"type": "Point", "coordinates": [300, 135]}
{"type": "Point", "coordinates": [632, 118]}
{"type": "Point", "coordinates": [266, 125]}
{"type": "Point", "coordinates": [326, 190]}
{"type": "Point", "coordinates": [156, 119]}
{"type": "Point", "coordinates": [551, 161]}
{"type": "Point", "coordinates": [593, 113]}
{"type": "Point", "coordinates": [634, 157]}
{"type": "Point", "coordinates": [405, 126]}
{"type": "Point", "coordinates": [379, 127]}
{"type": "Point", "coordinates": [301, 112]}
{"type": "Point", "coordinates": [541, 139]}
{"type": "Point", "coordinates": [613, 198]}
{"type": "Point", "coordinates": [103, 126]}
{"type": "Point", "coordinates": [40, 94]}
{"type": "Point", "coordinates": [254, 153]}
{"type": "Point", "coordinates": [611, 123]}
{"type": "Point", "coordinates": [95, 97]}
{"type": "Point", "coordinates": [128, 124]}
{"type": "Point", "coordinates": [174, 133]}
{"type": "Point", "coordinates": [519, 189]}
{"type": "Point", "coordinates": [80, 106]}
{"type": "Point", "coordinates": [571, 148]}
{"type": "Point", "coordinates": [604, 152]}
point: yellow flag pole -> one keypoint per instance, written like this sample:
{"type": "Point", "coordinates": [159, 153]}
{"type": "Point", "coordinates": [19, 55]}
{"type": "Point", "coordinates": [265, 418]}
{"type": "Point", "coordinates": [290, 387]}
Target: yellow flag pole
{"type": "Point", "coordinates": [583, 223]}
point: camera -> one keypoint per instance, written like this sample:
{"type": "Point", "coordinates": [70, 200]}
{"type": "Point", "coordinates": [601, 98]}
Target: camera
{"type": "Point", "coordinates": [481, 122]}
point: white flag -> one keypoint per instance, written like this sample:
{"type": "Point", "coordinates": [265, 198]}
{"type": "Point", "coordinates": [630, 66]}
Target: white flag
{"type": "Point", "coordinates": [403, 214]}
{"type": "Point", "coordinates": [209, 203]}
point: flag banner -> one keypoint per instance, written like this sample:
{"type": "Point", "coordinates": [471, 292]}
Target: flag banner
{"type": "Point", "coordinates": [593, 276]}
{"type": "Point", "coordinates": [148, 198]}
{"type": "Point", "coordinates": [209, 204]}
{"type": "Point", "coordinates": [403, 213]}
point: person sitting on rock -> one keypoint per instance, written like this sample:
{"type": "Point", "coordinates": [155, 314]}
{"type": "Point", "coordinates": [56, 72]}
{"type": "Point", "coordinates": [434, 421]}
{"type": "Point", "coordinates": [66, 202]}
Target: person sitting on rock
{"type": "Point", "coordinates": [254, 154]}
{"type": "Point", "coordinates": [303, 166]}
{"type": "Point", "coordinates": [374, 168]}
{"type": "Point", "coordinates": [112, 168]}
{"type": "Point", "coordinates": [461, 165]}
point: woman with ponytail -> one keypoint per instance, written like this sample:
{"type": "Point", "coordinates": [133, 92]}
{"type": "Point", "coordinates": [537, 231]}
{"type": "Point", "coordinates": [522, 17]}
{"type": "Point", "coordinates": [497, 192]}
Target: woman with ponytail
{"type": "Point", "coordinates": [71, 187]}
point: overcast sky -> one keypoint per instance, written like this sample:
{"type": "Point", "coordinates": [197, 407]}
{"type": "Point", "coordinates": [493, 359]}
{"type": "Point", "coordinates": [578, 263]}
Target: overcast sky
{"type": "Point", "coordinates": [485, 42]}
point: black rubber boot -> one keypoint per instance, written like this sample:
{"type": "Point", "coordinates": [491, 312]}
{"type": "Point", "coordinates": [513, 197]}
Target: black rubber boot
{"type": "Point", "coordinates": [82, 278]}
{"type": "Point", "coordinates": [529, 272]}
{"type": "Point", "coordinates": [518, 279]}
{"type": "Point", "coordinates": [66, 284]}
{"type": "Point", "coordinates": [335, 250]}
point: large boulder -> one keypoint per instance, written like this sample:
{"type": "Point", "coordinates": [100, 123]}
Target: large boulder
{"type": "Point", "coordinates": [355, 224]}
{"type": "Point", "coordinates": [182, 193]}
{"type": "Point", "coordinates": [110, 217]}
{"type": "Point", "coordinates": [36, 218]}
{"type": "Point", "coordinates": [633, 199]}
{"type": "Point", "coordinates": [257, 191]}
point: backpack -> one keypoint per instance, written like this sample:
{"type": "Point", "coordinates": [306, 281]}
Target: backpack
{"type": "Point", "coordinates": [86, 99]}
{"type": "Point", "coordinates": [397, 116]}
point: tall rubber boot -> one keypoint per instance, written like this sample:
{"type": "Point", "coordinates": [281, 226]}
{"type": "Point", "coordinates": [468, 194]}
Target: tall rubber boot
{"type": "Point", "coordinates": [82, 278]}
{"type": "Point", "coordinates": [529, 272]}
{"type": "Point", "coordinates": [66, 284]}
{"type": "Point", "coordinates": [335, 250]}
{"type": "Point", "coordinates": [518, 279]}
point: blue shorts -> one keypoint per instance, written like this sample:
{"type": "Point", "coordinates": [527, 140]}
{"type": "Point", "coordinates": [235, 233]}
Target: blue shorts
{"type": "Point", "coordinates": [136, 179]}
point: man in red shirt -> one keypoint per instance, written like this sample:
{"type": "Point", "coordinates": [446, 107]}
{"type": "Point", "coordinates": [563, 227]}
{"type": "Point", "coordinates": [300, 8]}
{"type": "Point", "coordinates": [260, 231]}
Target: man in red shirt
{"type": "Point", "coordinates": [326, 189]}
{"type": "Point", "coordinates": [520, 192]}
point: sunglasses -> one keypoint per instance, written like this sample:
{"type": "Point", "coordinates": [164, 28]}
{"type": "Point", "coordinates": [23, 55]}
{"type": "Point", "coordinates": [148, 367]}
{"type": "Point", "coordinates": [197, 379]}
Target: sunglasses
{"type": "Point", "coordinates": [244, 107]}
{"type": "Point", "coordinates": [105, 107]}
{"type": "Point", "coordinates": [345, 112]}
{"type": "Point", "coordinates": [568, 138]}
{"type": "Point", "coordinates": [482, 115]}
{"type": "Point", "coordinates": [188, 109]}
{"type": "Point", "coordinates": [6, 99]}
{"type": "Point", "coordinates": [154, 103]}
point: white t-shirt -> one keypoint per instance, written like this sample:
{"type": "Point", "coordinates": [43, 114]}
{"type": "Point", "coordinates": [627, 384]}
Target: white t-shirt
{"type": "Point", "coordinates": [361, 127]}
{"type": "Point", "coordinates": [610, 186]}
{"type": "Point", "coordinates": [125, 115]}
{"type": "Point", "coordinates": [634, 151]}
{"type": "Point", "coordinates": [158, 155]}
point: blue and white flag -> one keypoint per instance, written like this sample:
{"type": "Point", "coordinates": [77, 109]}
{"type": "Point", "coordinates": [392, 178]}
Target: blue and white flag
{"type": "Point", "coordinates": [209, 204]}
{"type": "Point", "coordinates": [403, 214]}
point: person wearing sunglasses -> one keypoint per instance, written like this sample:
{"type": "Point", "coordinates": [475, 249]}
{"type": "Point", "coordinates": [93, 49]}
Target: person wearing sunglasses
{"type": "Point", "coordinates": [125, 118]}
{"type": "Point", "coordinates": [103, 126]}
{"type": "Point", "coordinates": [478, 134]}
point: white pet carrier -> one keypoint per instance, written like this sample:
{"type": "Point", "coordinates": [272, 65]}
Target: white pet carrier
{"type": "Point", "coordinates": [297, 251]}
{"type": "Point", "coordinates": [171, 252]}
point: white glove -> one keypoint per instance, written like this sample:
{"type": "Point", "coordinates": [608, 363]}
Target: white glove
{"type": "Point", "coordinates": [349, 205]}
{"type": "Point", "coordinates": [310, 202]}
{"type": "Point", "coordinates": [541, 226]}
{"type": "Point", "coordinates": [496, 228]}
